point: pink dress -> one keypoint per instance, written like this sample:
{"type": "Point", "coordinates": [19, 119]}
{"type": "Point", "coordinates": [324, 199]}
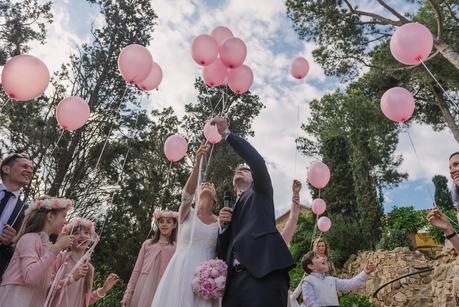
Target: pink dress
{"type": "Point", "coordinates": [28, 275]}
{"type": "Point", "coordinates": [72, 293]}
{"type": "Point", "coordinates": [148, 270]}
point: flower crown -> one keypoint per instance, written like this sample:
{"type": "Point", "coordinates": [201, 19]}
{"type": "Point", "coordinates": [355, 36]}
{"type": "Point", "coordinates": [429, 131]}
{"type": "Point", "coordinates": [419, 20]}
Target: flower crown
{"type": "Point", "coordinates": [79, 221]}
{"type": "Point", "coordinates": [158, 214]}
{"type": "Point", "coordinates": [164, 213]}
{"type": "Point", "coordinates": [49, 203]}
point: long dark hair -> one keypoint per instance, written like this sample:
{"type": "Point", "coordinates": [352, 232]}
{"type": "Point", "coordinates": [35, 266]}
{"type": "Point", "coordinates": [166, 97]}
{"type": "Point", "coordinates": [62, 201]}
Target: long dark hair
{"type": "Point", "coordinates": [88, 279]}
{"type": "Point", "coordinates": [157, 233]}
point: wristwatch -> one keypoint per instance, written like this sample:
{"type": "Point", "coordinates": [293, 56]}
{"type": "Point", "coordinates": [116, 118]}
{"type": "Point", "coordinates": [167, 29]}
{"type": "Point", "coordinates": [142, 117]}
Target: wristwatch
{"type": "Point", "coordinates": [450, 235]}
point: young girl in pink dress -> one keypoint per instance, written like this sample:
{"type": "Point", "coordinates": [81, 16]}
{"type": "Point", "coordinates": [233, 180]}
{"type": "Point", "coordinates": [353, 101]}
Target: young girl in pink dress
{"type": "Point", "coordinates": [28, 276]}
{"type": "Point", "coordinates": [152, 261]}
{"type": "Point", "coordinates": [74, 285]}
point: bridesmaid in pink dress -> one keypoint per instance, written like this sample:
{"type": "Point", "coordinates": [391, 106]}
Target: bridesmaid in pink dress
{"type": "Point", "coordinates": [152, 261]}
{"type": "Point", "coordinates": [74, 287]}
{"type": "Point", "coordinates": [28, 276]}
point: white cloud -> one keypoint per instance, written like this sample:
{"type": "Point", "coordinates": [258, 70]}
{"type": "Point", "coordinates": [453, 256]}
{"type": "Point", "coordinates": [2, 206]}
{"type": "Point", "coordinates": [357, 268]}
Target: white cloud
{"type": "Point", "coordinates": [272, 44]}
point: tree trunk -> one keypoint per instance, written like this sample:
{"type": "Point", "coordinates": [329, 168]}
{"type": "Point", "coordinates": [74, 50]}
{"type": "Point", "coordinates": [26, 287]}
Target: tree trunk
{"type": "Point", "coordinates": [63, 165]}
{"type": "Point", "coordinates": [448, 52]}
{"type": "Point", "coordinates": [447, 116]}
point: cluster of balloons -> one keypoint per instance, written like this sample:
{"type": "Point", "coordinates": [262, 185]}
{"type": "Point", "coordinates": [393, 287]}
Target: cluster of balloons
{"type": "Point", "coordinates": [318, 177]}
{"type": "Point", "coordinates": [136, 66]}
{"type": "Point", "coordinates": [222, 56]}
{"type": "Point", "coordinates": [25, 77]}
{"type": "Point", "coordinates": [410, 44]}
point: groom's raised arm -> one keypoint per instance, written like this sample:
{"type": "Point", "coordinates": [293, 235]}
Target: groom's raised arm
{"type": "Point", "coordinates": [260, 174]}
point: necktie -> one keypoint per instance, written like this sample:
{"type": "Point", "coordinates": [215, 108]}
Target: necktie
{"type": "Point", "coordinates": [4, 201]}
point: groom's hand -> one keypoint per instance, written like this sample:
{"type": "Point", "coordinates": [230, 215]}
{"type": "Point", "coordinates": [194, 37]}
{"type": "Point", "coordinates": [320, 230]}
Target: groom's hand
{"type": "Point", "coordinates": [221, 123]}
{"type": "Point", "coordinates": [224, 216]}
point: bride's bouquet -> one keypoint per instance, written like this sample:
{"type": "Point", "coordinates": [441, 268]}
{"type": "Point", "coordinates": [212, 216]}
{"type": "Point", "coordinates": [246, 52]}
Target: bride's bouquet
{"type": "Point", "coordinates": [209, 279]}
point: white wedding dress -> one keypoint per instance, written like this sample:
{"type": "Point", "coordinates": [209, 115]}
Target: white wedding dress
{"type": "Point", "coordinates": [174, 289]}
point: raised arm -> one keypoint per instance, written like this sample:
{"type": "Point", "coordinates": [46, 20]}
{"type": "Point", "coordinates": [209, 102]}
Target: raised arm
{"type": "Point", "coordinates": [439, 220]}
{"type": "Point", "coordinates": [191, 184]}
{"type": "Point", "coordinates": [261, 178]}
{"type": "Point", "coordinates": [290, 225]}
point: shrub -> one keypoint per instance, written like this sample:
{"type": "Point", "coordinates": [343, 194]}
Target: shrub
{"type": "Point", "coordinates": [354, 300]}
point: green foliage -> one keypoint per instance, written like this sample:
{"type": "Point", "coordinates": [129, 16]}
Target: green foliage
{"type": "Point", "coordinates": [344, 238]}
{"type": "Point", "coordinates": [349, 38]}
{"type": "Point", "coordinates": [303, 236]}
{"type": "Point", "coordinates": [22, 22]}
{"type": "Point", "coordinates": [349, 131]}
{"type": "Point", "coordinates": [114, 296]}
{"type": "Point", "coordinates": [442, 194]}
{"type": "Point", "coordinates": [354, 300]}
{"type": "Point", "coordinates": [295, 275]}
{"type": "Point", "coordinates": [398, 223]}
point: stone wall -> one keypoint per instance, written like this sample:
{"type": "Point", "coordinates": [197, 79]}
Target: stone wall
{"type": "Point", "coordinates": [438, 288]}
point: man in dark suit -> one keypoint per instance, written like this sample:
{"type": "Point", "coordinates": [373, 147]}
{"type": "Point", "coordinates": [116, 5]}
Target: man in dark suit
{"type": "Point", "coordinates": [16, 172]}
{"type": "Point", "coordinates": [258, 258]}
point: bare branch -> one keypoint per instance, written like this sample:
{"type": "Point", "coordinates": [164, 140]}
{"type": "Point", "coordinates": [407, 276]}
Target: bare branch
{"type": "Point", "coordinates": [393, 11]}
{"type": "Point", "coordinates": [438, 17]}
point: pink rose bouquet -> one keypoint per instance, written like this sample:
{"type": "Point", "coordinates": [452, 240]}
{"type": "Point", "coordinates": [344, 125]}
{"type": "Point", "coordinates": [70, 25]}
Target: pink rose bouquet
{"type": "Point", "coordinates": [209, 279]}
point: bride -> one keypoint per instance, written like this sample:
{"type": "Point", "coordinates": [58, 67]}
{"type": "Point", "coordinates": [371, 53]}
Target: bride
{"type": "Point", "coordinates": [196, 243]}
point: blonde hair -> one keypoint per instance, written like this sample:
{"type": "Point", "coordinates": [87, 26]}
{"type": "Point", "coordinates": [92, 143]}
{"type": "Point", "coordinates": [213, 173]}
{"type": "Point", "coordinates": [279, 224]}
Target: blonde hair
{"type": "Point", "coordinates": [34, 221]}
{"type": "Point", "coordinates": [316, 243]}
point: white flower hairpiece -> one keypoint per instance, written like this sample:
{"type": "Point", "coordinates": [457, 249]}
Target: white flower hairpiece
{"type": "Point", "coordinates": [49, 203]}
{"type": "Point", "coordinates": [79, 221]}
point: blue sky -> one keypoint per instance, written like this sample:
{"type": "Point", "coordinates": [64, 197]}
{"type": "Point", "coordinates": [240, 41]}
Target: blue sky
{"type": "Point", "coordinates": [271, 43]}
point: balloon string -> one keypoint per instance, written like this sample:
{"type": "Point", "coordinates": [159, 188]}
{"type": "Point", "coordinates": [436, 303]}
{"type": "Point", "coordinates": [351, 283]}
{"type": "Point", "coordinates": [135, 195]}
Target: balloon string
{"type": "Point", "coordinates": [420, 164]}
{"type": "Point", "coordinates": [120, 177]}
{"type": "Point", "coordinates": [296, 138]}
{"type": "Point", "coordinates": [52, 152]}
{"type": "Point", "coordinates": [208, 161]}
{"type": "Point", "coordinates": [439, 85]}
{"type": "Point", "coordinates": [5, 103]}
{"type": "Point", "coordinates": [314, 232]}
{"type": "Point", "coordinates": [109, 133]}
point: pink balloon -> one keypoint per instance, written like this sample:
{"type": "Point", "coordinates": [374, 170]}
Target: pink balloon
{"type": "Point", "coordinates": [204, 49]}
{"type": "Point", "coordinates": [215, 73]}
{"type": "Point", "coordinates": [25, 77]}
{"type": "Point", "coordinates": [233, 52]}
{"type": "Point", "coordinates": [153, 79]}
{"type": "Point", "coordinates": [324, 224]}
{"type": "Point", "coordinates": [175, 147]}
{"type": "Point", "coordinates": [397, 104]}
{"type": "Point", "coordinates": [221, 34]}
{"type": "Point", "coordinates": [318, 174]}
{"type": "Point", "coordinates": [299, 67]}
{"type": "Point", "coordinates": [134, 63]}
{"type": "Point", "coordinates": [318, 206]}
{"type": "Point", "coordinates": [211, 133]}
{"type": "Point", "coordinates": [411, 43]}
{"type": "Point", "coordinates": [240, 79]}
{"type": "Point", "coordinates": [72, 113]}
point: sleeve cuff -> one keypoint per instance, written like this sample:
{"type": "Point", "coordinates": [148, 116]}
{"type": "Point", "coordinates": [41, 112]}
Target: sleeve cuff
{"type": "Point", "coordinates": [226, 133]}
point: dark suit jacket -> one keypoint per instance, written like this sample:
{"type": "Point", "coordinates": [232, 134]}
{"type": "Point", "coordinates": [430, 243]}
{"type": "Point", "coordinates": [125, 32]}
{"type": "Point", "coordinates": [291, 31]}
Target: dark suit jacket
{"type": "Point", "coordinates": [6, 252]}
{"type": "Point", "coordinates": [252, 235]}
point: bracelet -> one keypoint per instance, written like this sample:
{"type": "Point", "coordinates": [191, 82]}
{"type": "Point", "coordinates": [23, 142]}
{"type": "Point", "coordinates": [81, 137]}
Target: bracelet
{"type": "Point", "coordinates": [99, 295]}
{"type": "Point", "coordinates": [451, 235]}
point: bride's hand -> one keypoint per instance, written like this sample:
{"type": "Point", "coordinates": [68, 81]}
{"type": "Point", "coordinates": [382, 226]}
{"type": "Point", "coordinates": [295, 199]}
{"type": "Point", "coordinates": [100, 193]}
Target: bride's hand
{"type": "Point", "coordinates": [202, 151]}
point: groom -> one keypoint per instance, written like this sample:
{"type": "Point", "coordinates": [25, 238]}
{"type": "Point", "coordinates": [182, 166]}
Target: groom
{"type": "Point", "coordinates": [258, 258]}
